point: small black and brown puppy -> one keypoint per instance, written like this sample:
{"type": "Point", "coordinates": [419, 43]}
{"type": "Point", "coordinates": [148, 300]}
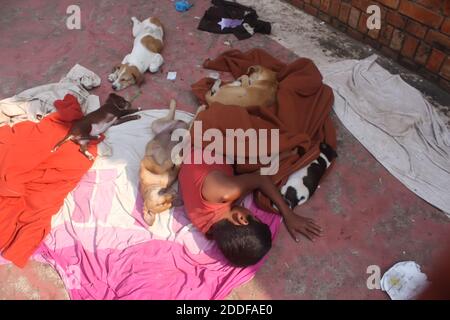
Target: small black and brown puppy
{"type": "Point", "coordinates": [116, 110]}
{"type": "Point", "coordinates": [302, 184]}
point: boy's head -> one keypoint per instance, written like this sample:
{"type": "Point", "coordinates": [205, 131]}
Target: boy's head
{"type": "Point", "coordinates": [243, 239]}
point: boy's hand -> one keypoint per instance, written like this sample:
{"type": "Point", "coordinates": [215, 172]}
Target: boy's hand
{"type": "Point", "coordinates": [306, 226]}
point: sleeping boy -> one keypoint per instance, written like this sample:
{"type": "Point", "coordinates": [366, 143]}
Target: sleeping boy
{"type": "Point", "coordinates": [211, 195]}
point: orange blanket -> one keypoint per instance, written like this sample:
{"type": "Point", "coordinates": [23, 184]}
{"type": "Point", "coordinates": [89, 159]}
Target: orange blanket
{"type": "Point", "coordinates": [34, 181]}
{"type": "Point", "coordinates": [302, 112]}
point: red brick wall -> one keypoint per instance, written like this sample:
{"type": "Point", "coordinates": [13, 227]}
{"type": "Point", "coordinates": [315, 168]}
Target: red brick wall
{"type": "Point", "coordinates": [414, 32]}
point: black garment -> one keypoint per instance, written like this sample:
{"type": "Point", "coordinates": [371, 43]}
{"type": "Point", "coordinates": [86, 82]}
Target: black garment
{"type": "Point", "coordinates": [231, 10]}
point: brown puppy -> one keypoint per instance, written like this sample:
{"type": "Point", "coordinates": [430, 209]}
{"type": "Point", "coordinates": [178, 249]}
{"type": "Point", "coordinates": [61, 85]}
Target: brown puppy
{"type": "Point", "coordinates": [158, 172]}
{"type": "Point", "coordinates": [256, 88]}
{"type": "Point", "coordinates": [116, 110]}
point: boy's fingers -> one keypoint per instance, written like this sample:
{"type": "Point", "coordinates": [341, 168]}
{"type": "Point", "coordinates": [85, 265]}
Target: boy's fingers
{"type": "Point", "coordinates": [314, 232]}
{"type": "Point", "coordinates": [306, 233]}
{"type": "Point", "coordinates": [316, 228]}
{"type": "Point", "coordinates": [292, 233]}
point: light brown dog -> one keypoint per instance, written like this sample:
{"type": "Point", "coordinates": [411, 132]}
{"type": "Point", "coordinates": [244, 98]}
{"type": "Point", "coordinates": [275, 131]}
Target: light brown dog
{"type": "Point", "coordinates": [256, 88]}
{"type": "Point", "coordinates": [158, 172]}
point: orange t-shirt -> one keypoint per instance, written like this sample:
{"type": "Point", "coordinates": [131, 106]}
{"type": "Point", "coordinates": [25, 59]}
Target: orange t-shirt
{"type": "Point", "coordinates": [202, 213]}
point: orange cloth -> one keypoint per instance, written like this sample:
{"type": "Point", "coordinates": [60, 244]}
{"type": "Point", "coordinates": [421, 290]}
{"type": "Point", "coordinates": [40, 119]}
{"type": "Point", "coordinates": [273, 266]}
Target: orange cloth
{"type": "Point", "coordinates": [202, 213]}
{"type": "Point", "coordinates": [34, 181]}
{"type": "Point", "coordinates": [302, 112]}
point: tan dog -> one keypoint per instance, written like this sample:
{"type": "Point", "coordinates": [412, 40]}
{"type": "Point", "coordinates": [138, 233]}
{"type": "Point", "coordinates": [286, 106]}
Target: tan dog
{"type": "Point", "coordinates": [256, 88]}
{"type": "Point", "coordinates": [146, 54]}
{"type": "Point", "coordinates": [157, 171]}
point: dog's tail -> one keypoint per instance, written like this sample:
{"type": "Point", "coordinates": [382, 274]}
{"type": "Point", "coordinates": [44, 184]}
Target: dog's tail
{"type": "Point", "coordinates": [172, 108]}
{"type": "Point", "coordinates": [159, 124]}
{"type": "Point", "coordinates": [64, 140]}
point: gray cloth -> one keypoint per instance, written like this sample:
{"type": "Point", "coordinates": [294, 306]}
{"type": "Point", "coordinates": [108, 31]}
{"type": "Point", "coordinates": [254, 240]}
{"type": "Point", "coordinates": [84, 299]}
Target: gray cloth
{"type": "Point", "coordinates": [35, 103]}
{"type": "Point", "coordinates": [396, 124]}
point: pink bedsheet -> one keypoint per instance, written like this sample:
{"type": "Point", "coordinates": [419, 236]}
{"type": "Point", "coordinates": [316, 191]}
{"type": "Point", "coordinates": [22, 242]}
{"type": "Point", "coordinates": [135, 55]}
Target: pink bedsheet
{"type": "Point", "coordinates": [102, 249]}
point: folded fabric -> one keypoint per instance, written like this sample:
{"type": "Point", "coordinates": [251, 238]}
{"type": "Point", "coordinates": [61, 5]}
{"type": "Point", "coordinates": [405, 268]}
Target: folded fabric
{"type": "Point", "coordinates": [302, 112]}
{"type": "Point", "coordinates": [34, 181]}
{"type": "Point", "coordinates": [35, 103]}
{"type": "Point", "coordinates": [232, 17]}
{"type": "Point", "coordinates": [396, 124]}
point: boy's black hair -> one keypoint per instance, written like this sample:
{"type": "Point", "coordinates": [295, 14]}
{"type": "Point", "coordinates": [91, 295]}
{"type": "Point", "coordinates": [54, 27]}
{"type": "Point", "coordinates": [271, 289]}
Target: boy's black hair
{"type": "Point", "coordinates": [242, 245]}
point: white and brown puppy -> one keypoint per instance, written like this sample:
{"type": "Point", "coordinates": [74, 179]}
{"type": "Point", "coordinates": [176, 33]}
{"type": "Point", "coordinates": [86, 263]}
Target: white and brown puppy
{"type": "Point", "coordinates": [256, 88]}
{"type": "Point", "coordinates": [146, 54]}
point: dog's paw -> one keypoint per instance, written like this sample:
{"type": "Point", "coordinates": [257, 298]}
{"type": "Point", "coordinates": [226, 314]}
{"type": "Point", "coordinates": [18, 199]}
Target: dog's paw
{"type": "Point", "coordinates": [112, 77]}
{"type": "Point", "coordinates": [216, 86]}
{"type": "Point", "coordinates": [89, 155]}
{"type": "Point", "coordinates": [149, 218]}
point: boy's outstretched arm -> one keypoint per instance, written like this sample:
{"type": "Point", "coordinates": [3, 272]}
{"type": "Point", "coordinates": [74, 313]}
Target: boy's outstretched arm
{"type": "Point", "coordinates": [219, 187]}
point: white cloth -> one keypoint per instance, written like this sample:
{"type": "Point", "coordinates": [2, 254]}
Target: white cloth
{"type": "Point", "coordinates": [35, 103]}
{"type": "Point", "coordinates": [404, 281]}
{"type": "Point", "coordinates": [396, 124]}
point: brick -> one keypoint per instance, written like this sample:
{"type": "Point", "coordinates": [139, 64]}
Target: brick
{"type": "Point", "coordinates": [438, 39]}
{"type": "Point", "coordinates": [354, 18]}
{"type": "Point", "coordinates": [445, 69]}
{"type": "Point", "coordinates": [355, 34]}
{"type": "Point", "coordinates": [434, 5]}
{"type": "Point", "coordinates": [415, 28]}
{"type": "Point", "coordinates": [421, 14]}
{"type": "Point", "coordinates": [325, 5]}
{"type": "Point", "coordinates": [396, 19]}
{"type": "Point", "coordinates": [298, 3]}
{"type": "Point", "coordinates": [409, 46]}
{"type": "Point", "coordinates": [386, 34]}
{"type": "Point", "coordinates": [374, 33]}
{"type": "Point", "coordinates": [316, 3]}
{"type": "Point", "coordinates": [362, 25]}
{"type": "Point", "coordinates": [361, 4]}
{"type": "Point", "coordinates": [397, 40]}
{"type": "Point", "coordinates": [390, 3]}
{"type": "Point", "coordinates": [324, 17]}
{"type": "Point", "coordinates": [435, 61]}
{"type": "Point", "coordinates": [310, 9]}
{"type": "Point", "coordinates": [344, 12]}
{"type": "Point", "coordinates": [446, 26]}
{"type": "Point", "coordinates": [447, 8]}
{"type": "Point", "coordinates": [334, 8]}
{"type": "Point", "coordinates": [422, 54]}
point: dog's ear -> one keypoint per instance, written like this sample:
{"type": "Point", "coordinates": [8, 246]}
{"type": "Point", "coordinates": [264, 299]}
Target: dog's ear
{"type": "Point", "coordinates": [137, 75]}
{"type": "Point", "coordinates": [252, 69]}
{"type": "Point", "coordinates": [116, 67]}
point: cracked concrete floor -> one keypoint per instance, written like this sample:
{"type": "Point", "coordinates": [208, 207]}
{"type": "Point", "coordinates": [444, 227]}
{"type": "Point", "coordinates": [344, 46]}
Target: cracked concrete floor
{"type": "Point", "coordinates": [369, 217]}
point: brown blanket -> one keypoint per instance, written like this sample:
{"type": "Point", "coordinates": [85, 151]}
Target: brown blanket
{"type": "Point", "coordinates": [302, 112]}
